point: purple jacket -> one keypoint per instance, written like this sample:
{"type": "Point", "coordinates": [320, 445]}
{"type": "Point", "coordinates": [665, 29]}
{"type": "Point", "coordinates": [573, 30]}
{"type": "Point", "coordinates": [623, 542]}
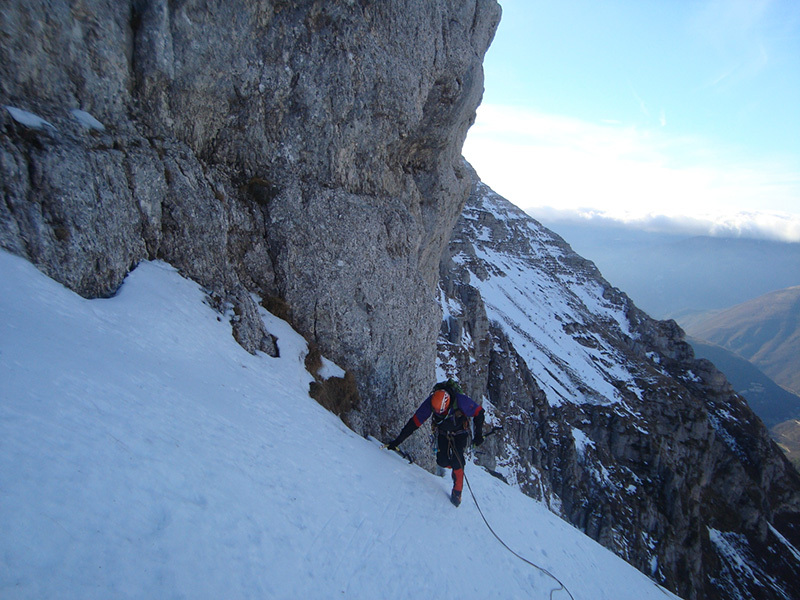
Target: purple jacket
{"type": "Point", "coordinates": [450, 423]}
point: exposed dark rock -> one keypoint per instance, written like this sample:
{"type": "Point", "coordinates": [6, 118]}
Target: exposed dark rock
{"type": "Point", "coordinates": [608, 417]}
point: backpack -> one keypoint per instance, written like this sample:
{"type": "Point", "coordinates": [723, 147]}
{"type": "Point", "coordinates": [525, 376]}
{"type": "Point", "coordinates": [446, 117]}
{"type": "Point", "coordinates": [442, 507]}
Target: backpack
{"type": "Point", "coordinates": [450, 386]}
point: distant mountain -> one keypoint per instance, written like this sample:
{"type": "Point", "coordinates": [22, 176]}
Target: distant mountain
{"type": "Point", "coordinates": [669, 275]}
{"type": "Point", "coordinates": [772, 403]}
{"type": "Point", "coordinates": [765, 331]}
{"type": "Point", "coordinates": [787, 434]}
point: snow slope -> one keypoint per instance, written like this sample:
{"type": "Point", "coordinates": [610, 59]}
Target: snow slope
{"type": "Point", "coordinates": [531, 291]}
{"type": "Point", "coordinates": [144, 454]}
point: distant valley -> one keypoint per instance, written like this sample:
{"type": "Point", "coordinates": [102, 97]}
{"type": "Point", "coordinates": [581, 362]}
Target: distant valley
{"type": "Point", "coordinates": [777, 407]}
{"type": "Point", "coordinates": [788, 437]}
{"type": "Point", "coordinates": [751, 341]}
{"type": "Point", "coordinates": [765, 331]}
{"type": "Point", "coordinates": [672, 275]}
{"type": "Point", "coordinates": [768, 400]}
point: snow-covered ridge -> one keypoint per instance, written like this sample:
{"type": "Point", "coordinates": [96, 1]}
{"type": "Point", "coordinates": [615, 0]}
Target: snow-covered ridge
{"type": "Point", "coordinates": [145, 454]}
{"type": "Point", "coordinates": [541, 302]}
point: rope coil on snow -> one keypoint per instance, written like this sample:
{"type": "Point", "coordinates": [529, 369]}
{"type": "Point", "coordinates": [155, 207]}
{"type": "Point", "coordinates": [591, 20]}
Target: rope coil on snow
{"type": "Point", "coordinates": [499, 539]}
{"type": "Point", "coordinates": [522, 558]}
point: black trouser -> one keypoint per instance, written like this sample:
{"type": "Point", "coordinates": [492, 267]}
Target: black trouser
{"type": "Point", "coordinates": [451, 450]}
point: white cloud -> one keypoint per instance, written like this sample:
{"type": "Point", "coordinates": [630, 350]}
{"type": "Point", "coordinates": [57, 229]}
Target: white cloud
{"type": "Point", "coordinates": [756, 225]}
{"type": "Point", "coordinates": [628, 173]}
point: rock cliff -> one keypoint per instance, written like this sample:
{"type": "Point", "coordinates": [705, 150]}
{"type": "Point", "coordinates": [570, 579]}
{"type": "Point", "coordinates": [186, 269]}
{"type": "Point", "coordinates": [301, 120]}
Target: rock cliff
{"type": "Point", "coordinates": [609, 418]}
{"type": "Point", "coordinates": [305, 152]}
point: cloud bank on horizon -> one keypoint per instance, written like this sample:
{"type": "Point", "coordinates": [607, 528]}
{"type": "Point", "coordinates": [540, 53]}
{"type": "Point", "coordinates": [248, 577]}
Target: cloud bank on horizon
{"type": "Point", "coordinates": [757, 226]}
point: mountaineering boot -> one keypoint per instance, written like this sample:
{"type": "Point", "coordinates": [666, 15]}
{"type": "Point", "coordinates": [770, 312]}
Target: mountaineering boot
{"type": "Point", "coordinates": [455, 497]}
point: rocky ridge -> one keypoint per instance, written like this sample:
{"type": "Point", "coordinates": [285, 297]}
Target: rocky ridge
{"type": "Point", "coordinates": [609, 418]}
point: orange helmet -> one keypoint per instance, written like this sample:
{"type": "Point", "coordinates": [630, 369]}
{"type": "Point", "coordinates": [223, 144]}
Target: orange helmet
{"type": "Point", "coordinates": [440, 401]}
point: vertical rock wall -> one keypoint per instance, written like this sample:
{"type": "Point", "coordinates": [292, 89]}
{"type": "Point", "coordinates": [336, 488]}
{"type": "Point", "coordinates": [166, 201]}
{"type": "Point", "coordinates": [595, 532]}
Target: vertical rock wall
{"type": "Point", "coordinates": [307, 152]}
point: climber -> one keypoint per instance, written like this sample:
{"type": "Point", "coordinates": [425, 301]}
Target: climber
{"type": "Point", "coordinates": [451, 410]}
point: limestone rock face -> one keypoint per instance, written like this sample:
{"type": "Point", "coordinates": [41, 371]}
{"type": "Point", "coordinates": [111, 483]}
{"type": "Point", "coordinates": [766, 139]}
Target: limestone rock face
{"type": "Point", "coordinates": [306, 152]}
{"type": "Point", "coordinates": [608, 417]}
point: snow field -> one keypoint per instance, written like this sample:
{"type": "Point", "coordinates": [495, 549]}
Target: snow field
{"type": "Point", "coordinates": [144, 454]}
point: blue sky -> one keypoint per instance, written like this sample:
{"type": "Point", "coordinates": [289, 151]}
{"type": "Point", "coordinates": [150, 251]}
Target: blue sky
{"type": "Point", "coordinates": [640, 110]}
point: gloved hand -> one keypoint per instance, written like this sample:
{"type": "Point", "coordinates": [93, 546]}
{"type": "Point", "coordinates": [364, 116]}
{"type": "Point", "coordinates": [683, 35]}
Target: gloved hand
{"type": "Point", "coordinates": [477, 441]}
{"type": "Point", "coordinates": [409, 428]}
